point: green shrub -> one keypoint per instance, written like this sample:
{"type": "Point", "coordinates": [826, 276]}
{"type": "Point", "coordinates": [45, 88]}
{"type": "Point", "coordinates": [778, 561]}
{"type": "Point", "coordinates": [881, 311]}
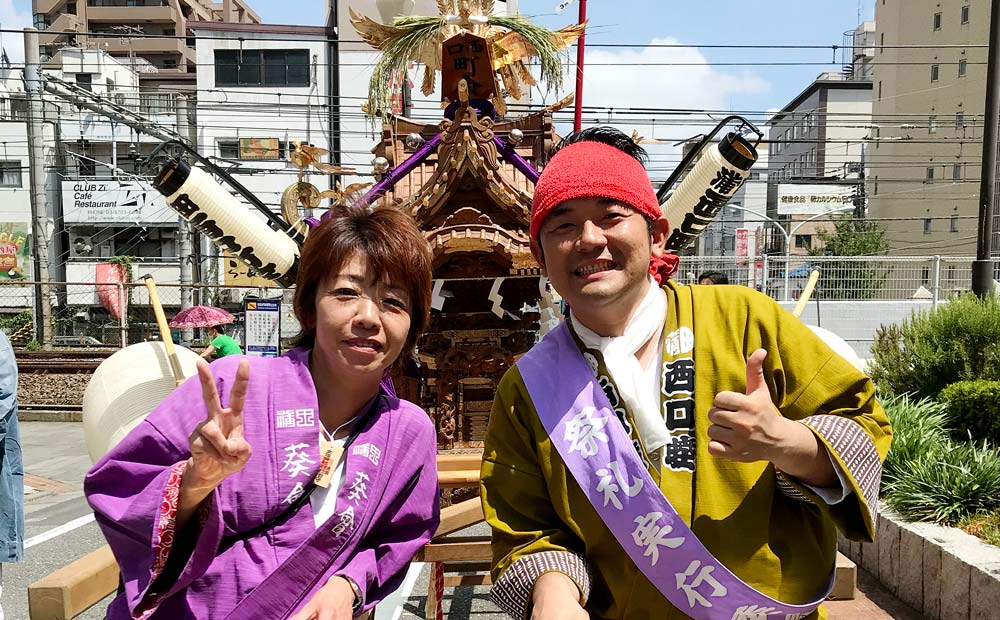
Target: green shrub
{"type": "Point", "coordinates": [919, 430]}
{"type": "Point", "coordinates": [958, 482]}
{"type": "Point", "coordinates": [959, 341]}
{"type": "Point", "coordinates": [973, 409]}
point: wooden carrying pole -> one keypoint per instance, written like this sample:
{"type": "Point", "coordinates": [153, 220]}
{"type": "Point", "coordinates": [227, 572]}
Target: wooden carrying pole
{"type": "Point", "coordinates": [161, 320]}
{"type": "Point", "coordinates": [806, 294]}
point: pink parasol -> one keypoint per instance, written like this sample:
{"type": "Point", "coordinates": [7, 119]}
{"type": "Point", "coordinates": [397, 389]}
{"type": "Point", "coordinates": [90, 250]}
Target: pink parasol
{"type": "Point", "coordinates": [201, 316]}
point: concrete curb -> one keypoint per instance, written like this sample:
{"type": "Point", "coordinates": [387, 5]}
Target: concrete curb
{"type": "Point", "coordinates": [50, 416]}
{"type": "Point", "coordinates": [942, 572]}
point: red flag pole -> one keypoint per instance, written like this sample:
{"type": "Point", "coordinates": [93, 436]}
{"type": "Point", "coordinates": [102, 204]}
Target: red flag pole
{"type": "Point", "coordinates": [578, 114]}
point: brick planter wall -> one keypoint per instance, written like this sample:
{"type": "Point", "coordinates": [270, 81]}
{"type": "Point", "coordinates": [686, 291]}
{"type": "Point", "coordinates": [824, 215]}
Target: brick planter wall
{"type": "Point", "coordinates": [942, 572]}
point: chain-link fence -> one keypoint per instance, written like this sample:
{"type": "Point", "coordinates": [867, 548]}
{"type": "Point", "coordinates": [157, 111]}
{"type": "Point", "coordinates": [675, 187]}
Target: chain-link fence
{"type": "Point", "coordinates": [90, 314]}
{"type": "Point", "coordinates": [875, 278]}
{"type": "Point", "coordinates": [84, 313]}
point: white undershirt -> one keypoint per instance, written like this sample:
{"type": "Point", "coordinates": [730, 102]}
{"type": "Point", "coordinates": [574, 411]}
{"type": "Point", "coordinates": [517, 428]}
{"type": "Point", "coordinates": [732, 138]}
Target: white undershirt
{"type": "Point", "coordinates": [323, 501]}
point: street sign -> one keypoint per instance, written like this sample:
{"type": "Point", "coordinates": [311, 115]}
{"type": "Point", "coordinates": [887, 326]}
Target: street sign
{"type": "Point", "coordinates": [263, 327]}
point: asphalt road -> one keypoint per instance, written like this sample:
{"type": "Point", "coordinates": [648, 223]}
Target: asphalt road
{"type": "Point", "coordinates": [59, 529]}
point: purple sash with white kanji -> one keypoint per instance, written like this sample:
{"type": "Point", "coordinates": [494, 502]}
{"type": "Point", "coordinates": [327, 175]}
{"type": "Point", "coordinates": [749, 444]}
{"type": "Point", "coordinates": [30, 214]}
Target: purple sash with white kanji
{"type": "Point", "coordinates": [582, 426]}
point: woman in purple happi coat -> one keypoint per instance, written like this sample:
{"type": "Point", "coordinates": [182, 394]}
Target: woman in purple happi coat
{"type": "Point", "coordinates": [212, 506]}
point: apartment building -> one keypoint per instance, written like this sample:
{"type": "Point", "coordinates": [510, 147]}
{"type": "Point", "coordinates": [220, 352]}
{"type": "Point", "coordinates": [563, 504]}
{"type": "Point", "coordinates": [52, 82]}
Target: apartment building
{"type": "Point", "coordinates": [928, 123]}
{"type": "Point", "coordinates": [817, 155]}
{"type": "Point", "coordinates": [112, 25]}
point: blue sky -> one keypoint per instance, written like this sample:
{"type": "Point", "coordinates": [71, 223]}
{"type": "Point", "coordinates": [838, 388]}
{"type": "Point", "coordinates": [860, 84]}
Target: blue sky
{"type": "Point", "coordinates": [754, 22]}
{"type": "Point", "coordinates": [643, 21]}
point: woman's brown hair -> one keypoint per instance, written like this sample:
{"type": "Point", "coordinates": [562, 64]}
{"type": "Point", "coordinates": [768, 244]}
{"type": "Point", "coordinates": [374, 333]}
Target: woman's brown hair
{"type": "Point", "coordinates": [393, 246]}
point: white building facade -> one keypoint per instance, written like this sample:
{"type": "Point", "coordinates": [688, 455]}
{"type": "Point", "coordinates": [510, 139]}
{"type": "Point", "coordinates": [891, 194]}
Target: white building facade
{"type": "Point", "coordinates": [261, 88]}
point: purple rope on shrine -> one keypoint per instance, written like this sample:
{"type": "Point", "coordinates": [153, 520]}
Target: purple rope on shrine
{"type": "Point", "coordinates": [508, 152]}
{"type": "Point", "coordinates": [394, 176]}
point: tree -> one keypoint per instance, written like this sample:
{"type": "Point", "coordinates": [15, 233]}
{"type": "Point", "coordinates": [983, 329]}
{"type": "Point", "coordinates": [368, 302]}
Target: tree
{"type": "Point", "coordinates": [853, 277]}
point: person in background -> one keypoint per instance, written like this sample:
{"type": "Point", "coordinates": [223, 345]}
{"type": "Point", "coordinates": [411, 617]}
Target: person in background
{"type": "Point", "coordinates": [221, 344]}
{"type": "Point", "coordinates": [713, 277]}
{"type": "Point", "coordinates": [11, 465]}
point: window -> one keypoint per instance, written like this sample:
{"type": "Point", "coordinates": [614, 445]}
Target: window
{"type": "Point", "coordinates": [954, 223]}
{"type": "Point", "coordinates": [10, 173]}
{"type": "Point", "coordinates": [169, 32]}
{"type": "Point", "coordinates": [86, 167]}
{"type": "Point", "coordinates": [956, 172]}
{"type": "Point", "coordinates": [937, 21]}
{"type": "Point", "coordinates": [169, 63]}
{"type": "Point", "coordinates": [930, 173]}
{"type": "Point", "coordinates": [926, 274]}
{"type": "Point", "coordinates": [932, 123]}
{"type": "Point", "coordinates": [881, 42]}
{"type": "Point", "coordinates": [935, 72]}
{"type": "Point", "coordinates": [927, 227]}
{"type": "Point", "coordinates": [959, 120]}
{"type": "Point", "coordinates": [963, 67]}
{"type": "Point", "coordinates": [85, 81]}
{"type": "Point", "coordinates": [262, 68]}
{"type": "Point", "coordinates": [41, 21]}
{"type": "Point", "coordinates": [229, 149]}
{"type": "Point", "coordinates": [965, 14]}
{"type": "Point", "coordinates": [71, 8]}
{"type": "Point", "coordinates": [803, 242]}
{"type": "Point", "coordinates": [880, 90]}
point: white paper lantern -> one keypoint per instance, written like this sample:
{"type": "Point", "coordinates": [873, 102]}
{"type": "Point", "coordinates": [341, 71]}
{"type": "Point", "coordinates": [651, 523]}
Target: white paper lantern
{"type": "Point", "coordinates": [228, 223]}
{"type": "Point", "coordinates": [718, 174]}
{"type": "Point", "coordinates": [125, 388]}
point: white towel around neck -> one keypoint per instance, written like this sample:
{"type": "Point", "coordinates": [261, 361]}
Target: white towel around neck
{"type": "Point", "coordinates": [637, 386]}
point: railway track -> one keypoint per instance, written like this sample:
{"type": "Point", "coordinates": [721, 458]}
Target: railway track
{"type": "Point", "coordinates": [60, 362]}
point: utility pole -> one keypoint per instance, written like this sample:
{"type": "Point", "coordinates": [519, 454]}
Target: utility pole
{"type": "Point", "coordinates": [184, 252]}
{"type": "Point", "coordinates": [580, 45]}
{"type": "Point", "coordinates": [39, 204]}
{"type": "Point", "coordinates": [982, 268]}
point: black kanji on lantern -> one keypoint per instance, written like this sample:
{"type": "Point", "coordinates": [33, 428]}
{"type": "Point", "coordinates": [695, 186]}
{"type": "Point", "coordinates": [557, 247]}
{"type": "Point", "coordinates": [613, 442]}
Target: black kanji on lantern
{"type": "Point", "coordinates": [727, 181]}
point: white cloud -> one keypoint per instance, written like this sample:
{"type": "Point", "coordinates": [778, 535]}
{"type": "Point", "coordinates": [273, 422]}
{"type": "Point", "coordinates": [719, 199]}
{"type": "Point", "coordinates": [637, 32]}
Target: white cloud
{"type": "Point", "coordinates": [13, 17]}
{"type": "Point", "coordinates": [643, 78]}
{"type": "Point", "coordinates": [618, 78]}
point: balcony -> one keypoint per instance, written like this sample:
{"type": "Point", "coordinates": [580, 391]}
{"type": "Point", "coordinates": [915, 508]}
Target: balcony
{"type": "Point", "coordinates": [44, 7]}
{"type": "Point", "coordinates": [63, 23]}
{"type": "Point", "coordinates": [132, 14]}
{"type": "Point", "coordinates": [115, 45]}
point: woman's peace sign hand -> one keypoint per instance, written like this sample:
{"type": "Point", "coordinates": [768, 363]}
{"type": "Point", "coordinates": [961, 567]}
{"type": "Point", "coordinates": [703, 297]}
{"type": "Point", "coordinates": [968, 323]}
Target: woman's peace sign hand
{"type": "Point", "coordinates": [218, 449]}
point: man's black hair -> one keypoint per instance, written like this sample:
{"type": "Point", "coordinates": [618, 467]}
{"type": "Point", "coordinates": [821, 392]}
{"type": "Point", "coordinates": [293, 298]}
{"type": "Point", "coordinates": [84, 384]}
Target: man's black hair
{"type": "Point", "coordinates": [716, 277]}
{"type": "Point", "coordinates": [219, 328]}
{"type": "Point", "coordinates": [604, 135]}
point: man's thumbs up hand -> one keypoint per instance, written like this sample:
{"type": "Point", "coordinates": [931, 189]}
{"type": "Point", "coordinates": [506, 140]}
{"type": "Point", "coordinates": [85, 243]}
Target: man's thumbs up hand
{"type": "Point", "coordinates": [747, 427]}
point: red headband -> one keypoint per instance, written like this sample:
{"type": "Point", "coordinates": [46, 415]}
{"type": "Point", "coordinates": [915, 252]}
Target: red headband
{"type": "Point", "coordinates": [594, 169]}
{"type": "Point", "coordinates": [589, 170]}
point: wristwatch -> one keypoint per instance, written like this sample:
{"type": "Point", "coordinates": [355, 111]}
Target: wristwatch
{"type": "Point", "coordinates": [359, 599]}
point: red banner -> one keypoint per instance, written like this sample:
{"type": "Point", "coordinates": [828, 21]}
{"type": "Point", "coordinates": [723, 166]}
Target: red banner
{"type": "Point", "coordinates": [111, 296]}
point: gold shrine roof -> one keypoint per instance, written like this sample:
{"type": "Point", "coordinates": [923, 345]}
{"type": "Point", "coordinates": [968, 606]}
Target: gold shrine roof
{"type": "Point", "coordinates": [465, 195]}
